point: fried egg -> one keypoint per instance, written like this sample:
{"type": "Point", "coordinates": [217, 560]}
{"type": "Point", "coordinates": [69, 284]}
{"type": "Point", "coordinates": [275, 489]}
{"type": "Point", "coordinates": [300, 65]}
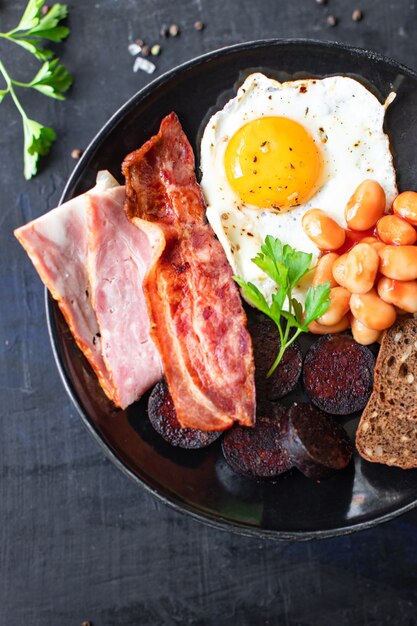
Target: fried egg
{"type": "Point", "coordinates": [277, 150]}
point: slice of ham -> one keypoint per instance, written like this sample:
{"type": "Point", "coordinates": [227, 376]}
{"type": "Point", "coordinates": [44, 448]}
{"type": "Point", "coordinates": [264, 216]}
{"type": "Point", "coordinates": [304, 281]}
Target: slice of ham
{"type": "Point", "coordinates": [197, 320]}
{"type": "Point", "coordinates": [92, 260]}
{"type": "Point", "coordinates": [57, 246]}
{"type": "Point", "coordinates": [119, 255]}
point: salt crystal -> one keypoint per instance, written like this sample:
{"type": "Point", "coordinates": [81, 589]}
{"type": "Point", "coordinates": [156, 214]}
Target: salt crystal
{"type": "Point", "coordinates": [144, 65]}
{"type": "Point", "coordinates": [134, 49]}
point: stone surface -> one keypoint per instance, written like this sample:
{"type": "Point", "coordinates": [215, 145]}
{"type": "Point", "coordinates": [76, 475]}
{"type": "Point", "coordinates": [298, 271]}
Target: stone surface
{"type": "Point", "coordinates": [78, 541]}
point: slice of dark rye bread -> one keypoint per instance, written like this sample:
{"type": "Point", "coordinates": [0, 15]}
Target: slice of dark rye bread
{"type": "Point", "coordinates": [387, 432]}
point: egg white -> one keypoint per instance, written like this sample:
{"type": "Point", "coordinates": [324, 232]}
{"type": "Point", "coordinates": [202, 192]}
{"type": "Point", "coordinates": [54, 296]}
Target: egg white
{"type": "Point", "coordinates": [344, 119]}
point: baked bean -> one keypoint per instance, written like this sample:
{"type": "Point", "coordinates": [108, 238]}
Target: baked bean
{"type": "Point", "coordinates": [398, 262]}
{"type": "Point", "coordinates": [405, 205]}
{"type": "Point", "coordinates": [366, 206]}
{"type": "Point", "coordinates": [370, 240]}
{"type": "Point", "coordinates": [320, 329]}
{"type": "Point", "coordinates": [403, 294]}
{"type": "Point", "coordinates": [373, 241]}
{"type": "Point", "coordinates": [361, 268]}
{"type": "Point", "coordinates": [378, 245]}
{"type": "Point", "coordinates": [362, 334]}
{"type": "Point", "coordinates": [339, 306]}
{"type": "Point", "coordinates": [372, 311]}
{"type": "Point", "coordinates": [339, 269]}
{"type": "Point", "coordinates": [323, 273]}
{"type": "Point", "coordinates": [395, 231]}
{"type": "Point", "coordinates": [323, 230]}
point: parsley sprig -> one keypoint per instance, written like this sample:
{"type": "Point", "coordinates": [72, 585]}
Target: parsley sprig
{"type": "Point", "coordinates": [286, 267]}
{"type": "Point", "coordinates": [51, 80]}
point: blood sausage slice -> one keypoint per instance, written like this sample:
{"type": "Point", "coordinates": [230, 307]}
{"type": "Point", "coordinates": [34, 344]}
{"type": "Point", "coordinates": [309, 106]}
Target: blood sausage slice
{"type": "Point", "coordinates": [162, 415]}
{"type": "Point", "coordinates": [338, 374]}
{"type": "Point", "coordinates": [259, 452]}
{"type": "Point", "coordinates": [197, 319]}
{"type": "Point", "coordinates": [266, 344]}
{"type": "Point", "coordinates": [316, 444]}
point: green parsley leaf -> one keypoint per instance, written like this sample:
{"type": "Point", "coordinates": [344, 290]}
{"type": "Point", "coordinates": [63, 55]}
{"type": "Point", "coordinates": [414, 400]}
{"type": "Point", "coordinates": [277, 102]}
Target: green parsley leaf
{"type": "Point", "coordinates": [317, 302]}
{"type": "Point", "coordinates": [286, 267]}
{"type": "Point", "coordinates": [299, 264]}
{"type": "Point", "coordinates": [33, 27]}
{"type": "Point", "coordinates": [34, 48]}
{"type": "Point", "coordinates": [253, 294]}
{"type": "Point", "coordinates": [271, 261]}
{"type": "Point", "coordinates": [52, 80]}
{"type": "Point", "coordinates": [298, 310]}
{"type": "Point", "coordinates": [278, 299]}
{"type": "Point", "coordinates": [272, 268]}
{"type": "Point", "coordinates": [38, 140]}
{"type": "Point", "coordinates": [31, 15]}
{"type": "Point", "coordinates": [47, 26]}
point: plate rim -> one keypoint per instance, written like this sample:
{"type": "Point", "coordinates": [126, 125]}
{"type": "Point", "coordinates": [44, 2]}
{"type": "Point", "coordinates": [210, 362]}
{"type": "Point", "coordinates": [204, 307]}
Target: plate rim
{"type": "Point", "coordinates": [215, 521]}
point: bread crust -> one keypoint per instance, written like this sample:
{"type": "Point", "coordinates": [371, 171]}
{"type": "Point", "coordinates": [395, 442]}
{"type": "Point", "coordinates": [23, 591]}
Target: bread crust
{"type": "Point", "coordinates": [387, 431]}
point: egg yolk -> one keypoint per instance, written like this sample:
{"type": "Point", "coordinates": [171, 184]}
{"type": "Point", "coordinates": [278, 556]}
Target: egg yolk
{"type": "Point", "coordinates": [273, 162]}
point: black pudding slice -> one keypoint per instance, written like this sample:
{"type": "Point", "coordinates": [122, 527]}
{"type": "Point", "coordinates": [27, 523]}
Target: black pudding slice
{"type": "Point", "coordinates": [338, 374]}
{"type": "Point", "coordinates": [316, 444]}
{"type": "Point", "coordinates": [258, 452]}
{"type": "Point", "coordinates": [163, 417]}
{"type": "Point", "coordinates": [266, 344]}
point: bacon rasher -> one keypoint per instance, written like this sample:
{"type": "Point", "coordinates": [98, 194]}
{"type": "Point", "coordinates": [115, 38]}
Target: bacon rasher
{"type": "Point", "coordinates": [197, 320]}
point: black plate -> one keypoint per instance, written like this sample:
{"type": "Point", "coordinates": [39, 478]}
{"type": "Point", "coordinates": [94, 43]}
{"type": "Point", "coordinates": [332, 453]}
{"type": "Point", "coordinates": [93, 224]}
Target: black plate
{"type": "Point", "coordinates": [200, 482]}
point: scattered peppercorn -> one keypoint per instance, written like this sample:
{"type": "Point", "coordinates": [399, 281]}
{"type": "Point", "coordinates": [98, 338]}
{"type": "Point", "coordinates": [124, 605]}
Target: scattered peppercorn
{"type": "Point", "coordinates": [44, 9]}
{"type": "Point", "coordinates": [145, 51]}
{"type": "Point", "coordinates": [164, 32]}
{"type": "Point", "coordinates": [87, 624]}
{"type": "Point", "coordinates": [139, 42]}
{"type": "Point", "coordinates": [357, 15]}
{"type": "Point", "coordinates": [174, 30]}
{"type": "Point", "coordinates": [321, 1]}
{"type": "Point", "coordinates": [76, 153]}
{"type": "Point", "coordinates": [199, 25]}
{"type": "Point", "coordinates": [331, 20]}
{"type": "Point", "coordinates": [155, 50]}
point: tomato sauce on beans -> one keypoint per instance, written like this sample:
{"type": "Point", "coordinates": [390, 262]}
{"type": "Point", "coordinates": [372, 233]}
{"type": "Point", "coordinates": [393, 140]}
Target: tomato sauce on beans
{"type": "Point", "coordinates": [380, 285]}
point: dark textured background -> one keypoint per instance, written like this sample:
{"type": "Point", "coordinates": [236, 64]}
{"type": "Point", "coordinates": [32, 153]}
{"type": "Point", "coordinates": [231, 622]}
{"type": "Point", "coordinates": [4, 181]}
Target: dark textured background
{"type": "Point", "coordinates": [78, 541]}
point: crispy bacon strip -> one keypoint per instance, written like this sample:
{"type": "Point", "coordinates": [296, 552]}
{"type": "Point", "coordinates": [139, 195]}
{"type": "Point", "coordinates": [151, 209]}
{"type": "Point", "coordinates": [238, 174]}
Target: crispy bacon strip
{"type": "Point", "coordinates": [198, 323]}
